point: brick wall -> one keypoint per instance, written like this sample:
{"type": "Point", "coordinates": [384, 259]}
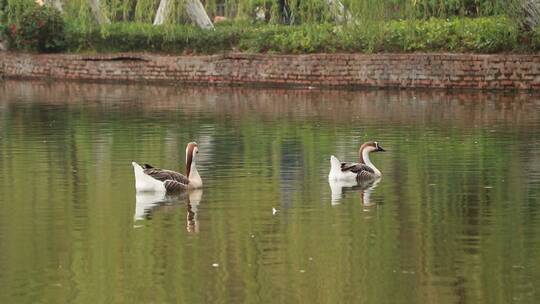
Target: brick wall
{"type": "Point", "coordinates": [328, 70]}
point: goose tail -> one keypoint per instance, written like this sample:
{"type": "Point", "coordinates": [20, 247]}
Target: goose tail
{"type": "Point", "coordinates": [335, 167]}
{"type": "Point", "coordinates": [139, 174]}
{"type": "Point", "coordinates": [144, 182]}
{"type": "Point", "coordinates": [136, 167]}
{"type": "Point", "coordinates": [335, 164]}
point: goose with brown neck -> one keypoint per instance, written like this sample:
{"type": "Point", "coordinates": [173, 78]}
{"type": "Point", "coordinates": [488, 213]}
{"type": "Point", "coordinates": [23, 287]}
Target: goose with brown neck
{"type": "Point", "coordinates": [362, 170]}
{"type": "Point", "coordinates": [148, 178]}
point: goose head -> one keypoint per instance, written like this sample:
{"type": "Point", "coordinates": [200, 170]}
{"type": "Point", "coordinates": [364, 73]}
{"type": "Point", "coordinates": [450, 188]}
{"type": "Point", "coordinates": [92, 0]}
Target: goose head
{"type": "Point", "coordinates": [368, 147]}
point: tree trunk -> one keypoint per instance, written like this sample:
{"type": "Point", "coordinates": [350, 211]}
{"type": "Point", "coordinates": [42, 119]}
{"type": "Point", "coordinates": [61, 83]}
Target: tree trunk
{"type": "Point", "coordinates": [3, 43]}
{"type": "Point", "coordinates": [196, 12]}
{"type": "Point", "coordinates": [162, 12]}
{"type": "Point", "coordinates": [531, 13]}
{"type": "Point", "coordinates": [100, 17]}
{"type": "Point", "coordinates": [194, 9]}
{"type": "Point", "coordinates": [57, 4]}
{"type": "Point", "coordinates": [341, 14]}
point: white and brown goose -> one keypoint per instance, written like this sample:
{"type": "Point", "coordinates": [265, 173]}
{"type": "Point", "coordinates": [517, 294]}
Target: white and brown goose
{"type": "Point", "coordinates": [364, 169]}
{"type": "Point", "coordinates": [148, 178]}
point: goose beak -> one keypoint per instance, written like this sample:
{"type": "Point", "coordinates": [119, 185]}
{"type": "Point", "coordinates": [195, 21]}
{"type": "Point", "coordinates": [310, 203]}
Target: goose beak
{"type": "Point", "coordinates": [380, 149]}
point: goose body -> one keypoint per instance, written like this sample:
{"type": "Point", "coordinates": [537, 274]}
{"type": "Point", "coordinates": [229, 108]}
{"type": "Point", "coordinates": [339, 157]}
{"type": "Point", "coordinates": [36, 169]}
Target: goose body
{"type": "Point", "coordinates": [148, 178]}
{"type": "Point", "coordinates": [362, 170]}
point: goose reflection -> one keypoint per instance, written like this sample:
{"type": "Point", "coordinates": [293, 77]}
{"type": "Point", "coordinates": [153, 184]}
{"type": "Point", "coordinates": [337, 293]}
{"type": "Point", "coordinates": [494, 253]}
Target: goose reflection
{"type": "Point", "coordinates": [364, 187]}
{"type": "Point", "coordinates": [146, 203]}
{"type": "Point", "coordinates": [193, 199]}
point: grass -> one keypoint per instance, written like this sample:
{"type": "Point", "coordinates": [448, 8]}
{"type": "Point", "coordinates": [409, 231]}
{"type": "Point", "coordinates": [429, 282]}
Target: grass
{"type": "Point", "coordinates": [493, 34]}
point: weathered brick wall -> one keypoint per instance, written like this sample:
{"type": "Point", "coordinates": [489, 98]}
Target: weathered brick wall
{"type": "Point", "coordinates": [354, 70]}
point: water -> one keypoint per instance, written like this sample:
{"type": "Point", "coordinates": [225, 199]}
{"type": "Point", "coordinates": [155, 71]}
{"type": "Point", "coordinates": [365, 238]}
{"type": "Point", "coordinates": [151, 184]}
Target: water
{"type": "Point", "coordinates": [455, 218]}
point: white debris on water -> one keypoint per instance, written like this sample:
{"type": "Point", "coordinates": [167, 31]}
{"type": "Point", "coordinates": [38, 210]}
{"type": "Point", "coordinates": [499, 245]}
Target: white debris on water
{"type": "Point", "coordinates": [215, 265]}
{"type": "Point", "coordinates": [407, 272]}
{"type": "Point", "coordinates": [274, 211]}
{"type": "Point", "coordinates": [518, 266]}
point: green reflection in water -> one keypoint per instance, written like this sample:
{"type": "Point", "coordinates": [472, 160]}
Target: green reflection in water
{"type": "Point", "coordinates": [454, 218]}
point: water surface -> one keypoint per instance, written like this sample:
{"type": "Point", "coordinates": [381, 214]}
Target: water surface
{"type": "Point", "coordinates": [455, 218]}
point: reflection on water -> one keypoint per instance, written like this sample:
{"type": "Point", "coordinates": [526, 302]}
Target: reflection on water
{"type": "Point", "coordinates": [455, 218]}
{"type": "Point", "coordinates": [147, 203]}
{"type": "Point", "coordinates": [364, 188]}
{"type": "Point", "coordinates": [193, 199]}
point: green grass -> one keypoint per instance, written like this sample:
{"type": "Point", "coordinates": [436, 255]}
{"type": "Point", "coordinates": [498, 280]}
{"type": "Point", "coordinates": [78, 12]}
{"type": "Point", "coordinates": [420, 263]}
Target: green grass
{"type": "Point", "coordinates": [479, 35]}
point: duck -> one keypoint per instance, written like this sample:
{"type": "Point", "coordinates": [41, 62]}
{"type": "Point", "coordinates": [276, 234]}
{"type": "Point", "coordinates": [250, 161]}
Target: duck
{"type": "Point", "coordinates": [361, 171]}
{"type": "Point", "coordinates": [149, 178]}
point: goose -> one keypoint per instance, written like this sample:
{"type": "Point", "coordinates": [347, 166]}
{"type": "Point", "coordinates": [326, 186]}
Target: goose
{"type": "Point", "coordinates": [148, 178]}
{"type": "Point", "coordinates": [363, 170]}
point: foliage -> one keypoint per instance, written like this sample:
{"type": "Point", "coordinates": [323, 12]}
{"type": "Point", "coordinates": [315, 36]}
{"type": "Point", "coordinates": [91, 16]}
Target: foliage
{"type": "Point", "coordinates": [290, 39]}
{"type": "Point", "coordinates": [146, 37]}
{"type": "Point", "coordinates": [446, 8]}
{"type": "Point", "coordinates": [40, 29]}
{"type": "Point", "coordinates": [380, 25]}
{"type": "Point", "coordinates": [12, 10]}
{"type": "Point", "coordinates": [535, 38]}
{"type": "Point", "coordinates": [310, 11]}
{"type": "Point", "coordinates": [279, 11]}
{"type": "Point", "coordinates": [484, 35]}
{"type": "Point", "coordinates": [493, 34]}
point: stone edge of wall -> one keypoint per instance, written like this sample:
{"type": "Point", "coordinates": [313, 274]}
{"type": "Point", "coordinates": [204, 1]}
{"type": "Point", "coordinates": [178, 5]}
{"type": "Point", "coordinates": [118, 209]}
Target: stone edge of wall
{"type": "Point", "coordinates": [416, 70]}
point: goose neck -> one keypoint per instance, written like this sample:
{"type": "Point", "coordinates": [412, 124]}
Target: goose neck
{"type": "Point", "coordinates": [365, 159]}
{"type": "Point", "coordinates": [194, 178]}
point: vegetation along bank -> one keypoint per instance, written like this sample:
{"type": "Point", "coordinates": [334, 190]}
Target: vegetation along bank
{"type": "Point", "coordinates": [271, 26]}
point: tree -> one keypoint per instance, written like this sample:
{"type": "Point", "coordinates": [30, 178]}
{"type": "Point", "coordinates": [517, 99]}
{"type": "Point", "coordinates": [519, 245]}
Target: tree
{"type": "Point", "coordinates": [197, 14]}
{"type": "Point", "coordinates": [57, 4]}
{"type": "Point", "coordinates": [100, 17]}
{"type": "Point", "coordinates": [162, 12]}
{"type": "Point", "coordinates": [194, 9]}
{"type": "Point", "coordinates": [531, 13]}
{"type": "Point", "coordinates": [340, 13]}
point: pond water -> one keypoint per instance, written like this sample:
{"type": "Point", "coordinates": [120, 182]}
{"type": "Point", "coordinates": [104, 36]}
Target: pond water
{"type": "Point", "coordinates": [454, 219]}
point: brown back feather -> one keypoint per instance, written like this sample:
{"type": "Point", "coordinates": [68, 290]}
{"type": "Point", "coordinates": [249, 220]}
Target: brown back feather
{"type": "Point", "coordinates": [164, 175]}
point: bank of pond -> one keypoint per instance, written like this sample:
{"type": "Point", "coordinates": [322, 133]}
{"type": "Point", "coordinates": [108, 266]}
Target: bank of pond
{"type": "Point", "coordinates": [47, 30]}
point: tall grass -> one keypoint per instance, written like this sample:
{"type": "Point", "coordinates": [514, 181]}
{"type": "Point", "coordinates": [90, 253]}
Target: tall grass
{"type": "Point", "coordinates": [297, 11]}
{"type": "Point", "coordinates": [481, 35]}
{"type": "Point", "coordinates": [376, 25]}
